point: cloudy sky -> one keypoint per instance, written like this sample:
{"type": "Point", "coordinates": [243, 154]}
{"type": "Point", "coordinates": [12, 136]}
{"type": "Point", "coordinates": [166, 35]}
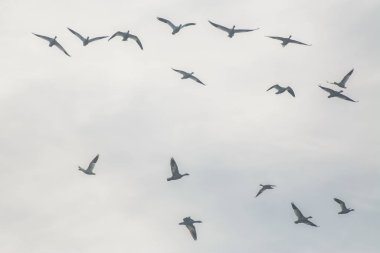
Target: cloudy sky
{"type": "Point", "coordinates": [128, 105]}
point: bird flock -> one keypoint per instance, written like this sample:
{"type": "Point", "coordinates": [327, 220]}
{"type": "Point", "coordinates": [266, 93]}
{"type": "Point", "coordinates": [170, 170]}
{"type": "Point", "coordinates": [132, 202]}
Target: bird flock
{"type": "Point", "coordinates": [231, 32]}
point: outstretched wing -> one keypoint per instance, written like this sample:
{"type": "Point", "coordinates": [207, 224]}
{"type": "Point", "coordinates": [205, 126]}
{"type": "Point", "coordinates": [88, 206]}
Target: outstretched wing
{"type": "Point", "coordinates": [61, 48]}
{"type": "Point", "coordinates": [192, 230]}
{"type": "Point", "coordinates": [310, 223]}
{"type": "Point", "coordinates": [346, 77]}
{"type": "Point", "coordinates": [135, 38]}
{"type": "Point", "coordinates": [298, 42]}
{"type": "Point", "coordinates": [174, 167]}
{"type": "Point", "coordinates": [340, 95]}
{"type": "Point", "coordinates": [188, 24]}
{"type": "Point", "coordinates": [197, 80]}
{"type": "Point", "coordinates": [116, 34]}
{"type": "Point", "coordinates": [341, 203]}
{"type": "Point", "coordinates": [261, 191]}
{"type": "Point", "coordinates": [291, 91]}
{"type": "Point", "coordinates": [276, 86]}
{"type": "Point", "coordinates": [91, 166]}
{"type": "Point", "coordinates": [167, 22]}
{"type": "Point", "coordinates": [44, 37]}
{"type": "Point", "coordinates": [297, 211]}
{"type": "Point", "coordinates": [77, 34]}
{"type": "Point", "coordinates": [223, 28]}
{"type": "Point", "coordinates": [245, 30]}
{"type": "Point", "coordinates": [276, 38]}
{"type": "Point", "coordinates": [97, 38]}
{"type": "Point", "coordinates": [180, 71]}
{"type": "Point", "coordinates": [331, 91]}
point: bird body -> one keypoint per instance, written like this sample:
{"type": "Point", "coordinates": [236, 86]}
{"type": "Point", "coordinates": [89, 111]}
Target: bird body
{"type": "Point", "coordinates": [187, 75]}
{"type": "Point", "coordinates": [345, 210]}
{"type": "Point", "coordinates": [265, 187]}
{"type": "Point", "coordinates": [53, 42]}
{"type": "Point", "coordinates": [91, 166]}
{"type": "Point", "coordinates": [127, 35]}
{"type": "Point", "coordinates": [286, 41]}
{"type": "Point", "coordinates": [342, 83]}
{"type": "Point", "coordinates": [86, 40]}
{"type": "Point", "coordinates": [281, 89]}
{"type": "Point", "coordinates": [189, 223]}
{"type": "Point", "coordinates": [338, 94]}
{"type": "Point", "coordinates": [301, 217]}
{"type": "Point", "coordinates": [175, 28]}
{"type": "Point", "coordinates": [175, 172]}
{"type": "Point", "coordinates": [231, 31]}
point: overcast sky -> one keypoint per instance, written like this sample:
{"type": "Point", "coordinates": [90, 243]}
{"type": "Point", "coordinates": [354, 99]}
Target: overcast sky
{"type": "Point", "coordinates": [126, 104]}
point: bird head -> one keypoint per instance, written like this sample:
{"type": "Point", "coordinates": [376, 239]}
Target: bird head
{"type": "Point", "coordinates": [309, 217]}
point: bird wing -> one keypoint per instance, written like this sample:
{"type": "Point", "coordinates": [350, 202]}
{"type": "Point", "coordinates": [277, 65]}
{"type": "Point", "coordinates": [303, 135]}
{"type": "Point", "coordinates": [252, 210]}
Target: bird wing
{"type": "Point", "coordinates": [220, 27]}
{"type": "Point", "coordinates": [77, 34]}
{"type": "Point", "coordinates": [297, 211]}
{"type": "Point", "coordinates": [91, 166]}
{"type": "Point", "coordinates": [97, 38]}
{"type": "Point", "coordinates": [192, 230]}
{"type": "Point", "coordinates": [341, 203]}
{"type": "Point", "coordinates": [261, 191]}
{"type": "Point", "coordinates": [310, 223]}
{"type": "Point", "coordinates": [188, 24]}
{"type": "Point", "coordinates": [44, 37]}
{"type": "Point", "coordinates": [174, 167]}
{"type": "Point", "coordinates": [276, 86]}
{"type": "Point", "coordinates": [298, 42]}
{"type": "Point", "coordinates": [61, 48]}
{"type": "Point", "coordinates": [167, 22]}
{"type": "Point", "coordinates": [277, 38]}
{"type": "Point", "coordinates": [116, 34]}
{"type": "Point", "coordinates": [245, 30]}
{"type": "Point", "coordinates": [135, 38]}
{"type": "Point", "coordinates": [340, 95]}
{"type": "Point", "coordinates": [197, 80]}
{"type": "Point", "coordinates": [180, 71]}
{"type": "Point", "coordinates": [331, 91]}
{"type": "Point", "coordinates": [291, 91]}
{"type": "Point", "coordinates": [346, 77]}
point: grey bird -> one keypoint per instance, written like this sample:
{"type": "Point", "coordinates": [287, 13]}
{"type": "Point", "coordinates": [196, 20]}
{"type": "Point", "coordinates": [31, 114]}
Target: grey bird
{"type": "Point", "coordinates": [338, 94]}
{"type": "Point", "coordinates": [265, 187]}
{"type": "Point", "coordinates": [186, 75]}
{"type": "Point", "coordinates": [175, 172]}
{"type": "Point", "coordinates": [286, 41]}
{"type": "Point", "coordinates": [281, 89]}
{"type": "Point", "coordinates": [175, 28]}
{"type": "Point", "coordinates": [342, 83]}
{"type": "Point", "coordinates": [189, 223]}
{"type": "Point", "coordinates": [301, 218]}
{"type": "Point", "coordinates": [343, 207]}
{"type": "Point", "coordinates": [91, 166]}
{"type": "Point", "coordinates": [52, 42]}
{"type": "Point", "coordinates": [86, 40]}
{"type": "Point", "coordinates": [231, 31]}
{"type": "Point", "coordinates": [126, 36]}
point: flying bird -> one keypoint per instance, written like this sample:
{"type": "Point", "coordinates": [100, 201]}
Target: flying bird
{"type": "Point", "coordinates": [126, 36]}
{"type": "Point", "coordinates": [186, 75]}
{"type": "Point", "coordinates": [86, 40]}
{"type": "Point", "coordinates": [175, 28]}
{"type": "Point", "coordinates": [301, 218]}
{"type": "Point", "coordinates": [286, 41]}
{"type": "Point", "coordinates": [342, 83]}
{"type": "Point", "coordinates": [231, 31]}
{"type": "Point", "coordinates": [175, 173]}
{"type": "Point", "coordinates": [189, 223]}
{"type": "Point", "coordinates": [343, 207]}
{"type": "Point", "coordinates": [338, 94]}
{"type": "Point", "coordinates": [265, 187]}
{"type": "Point", "coordinates": [91, 166]}
{"type": "Point", "coordinates": [53, 42]}
{"type": "Point", "coordinates": [281, 89]}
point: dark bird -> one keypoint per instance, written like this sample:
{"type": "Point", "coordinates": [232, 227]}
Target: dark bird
{"type": "Point", "coordinates": [175, 28]}
{"type": "Point", "coordinates": [127, 36]}
{"type": "Point", "coordinates": [343, 207]}
{"type": "Point", "coordinates": [189, 223]}
{"type": "Point", "coordinates": [175, 173]}
{"type": "Point", "coordinates": [91, 166]}
{"type": "Point", "coordinates": [281, 89]}
{"type": "Point", "coordinates": [53, 42]}
{"type": "Point", "coordinates": [342, 83]}
{"type": "Point", "coordinates": [86, 40]}
{"type": "Point", "coordinates": [286, 41]}
{"type": "Point", "coordinates": [265, 187]}
{"type": "Point", "coordinates": [338, 94]}
{"type": "Point", "coordinates": [231, 31]}
{"type": "Point", "coordinates": [186, 75]}
{"type": "Point", "coordinates": [301, 218]}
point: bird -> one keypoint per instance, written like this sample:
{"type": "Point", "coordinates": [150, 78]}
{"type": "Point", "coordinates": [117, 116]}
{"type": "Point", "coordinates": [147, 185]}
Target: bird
{"type": "Point", "coordinates": [90, 168]}
{"type": "Point", "coordinates": [286, 41]}
{"type": "Point", "coordinates": [53, 42]}
{"type": "Point", "coordinates": [231, 31]}
{"type": "Point", "coordinates": [338, 94]}
{"type": "Point", "coordinates": [175, 28]}
{"type": "Point", "coordinates": [189, 223]}
{"type": "Point", "coordinates": [175, 173]}
{"type": "Point", "coordinates": [126, 36]}
{"type": "Point", "coordinates": [281, 89]}
{"type": "Point", "coordinates": [342, 83]}
{"type": "Point", "coordinates": [186, 75]}
{"type": "Point", "coordinates": [301, 218]}
{"type": "Point", "coordinates": [86, 40]}
{"type": "Point", "coordinates": [343, 206]}
{"type": "Point", "coordinates": [265, 187]}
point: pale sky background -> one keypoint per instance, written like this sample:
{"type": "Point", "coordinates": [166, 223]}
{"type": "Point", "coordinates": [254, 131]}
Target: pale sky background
{"type": "Point", "coordinates": [128, 105]}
